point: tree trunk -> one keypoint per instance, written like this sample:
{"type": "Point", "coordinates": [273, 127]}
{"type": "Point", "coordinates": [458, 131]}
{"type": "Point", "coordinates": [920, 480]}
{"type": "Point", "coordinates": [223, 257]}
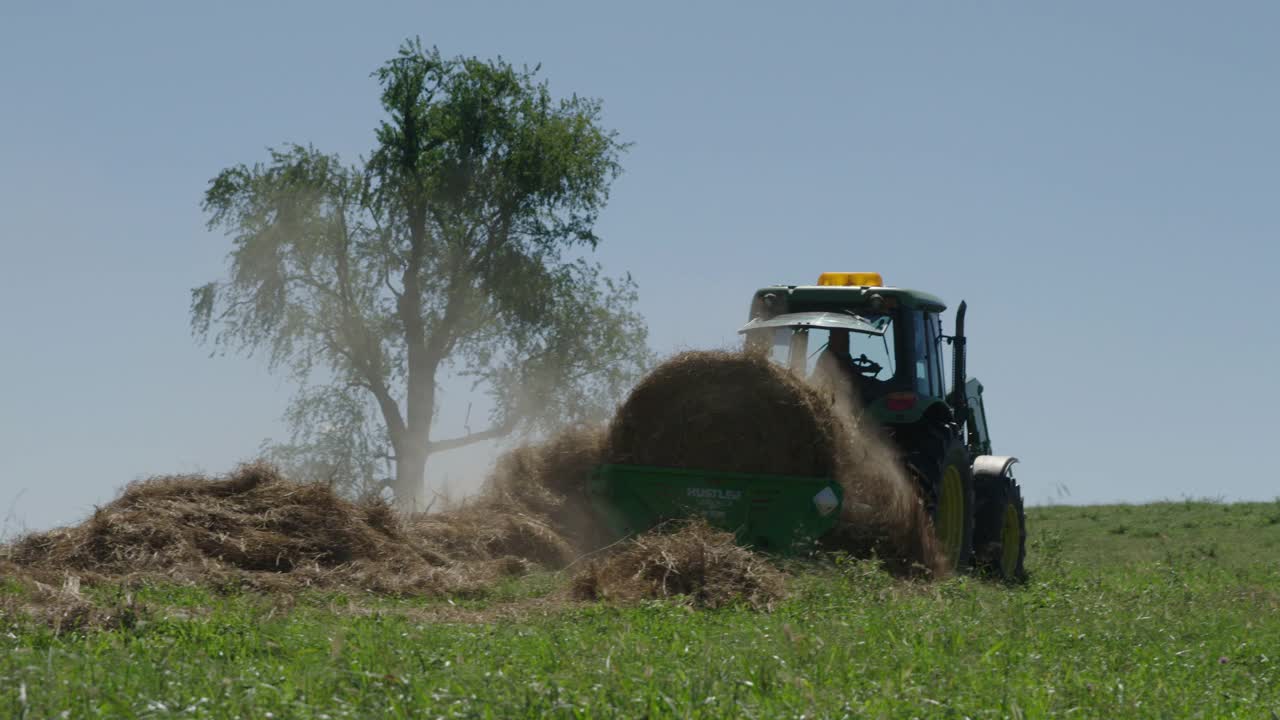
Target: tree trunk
{"type": "Point", "coordinates": [410, 484]}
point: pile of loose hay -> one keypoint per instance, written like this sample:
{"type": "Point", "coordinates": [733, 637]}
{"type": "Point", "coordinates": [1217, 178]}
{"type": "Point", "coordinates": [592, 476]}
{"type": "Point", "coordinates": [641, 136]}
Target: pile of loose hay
{"type": "Point", "coordinates": [690, 560]}
{"type": "Point", "coordinates": [253, 528]}
{"type": "Point", "coordinates": [252, 520]}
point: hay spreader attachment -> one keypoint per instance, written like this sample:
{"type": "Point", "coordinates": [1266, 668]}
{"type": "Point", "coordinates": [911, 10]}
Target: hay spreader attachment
{"type": "Point", "coordinates": [777, 513]}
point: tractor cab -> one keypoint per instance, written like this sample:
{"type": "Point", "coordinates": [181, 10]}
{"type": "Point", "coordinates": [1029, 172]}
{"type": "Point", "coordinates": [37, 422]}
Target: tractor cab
{"type": "Point", "coordinates": [885, 342]}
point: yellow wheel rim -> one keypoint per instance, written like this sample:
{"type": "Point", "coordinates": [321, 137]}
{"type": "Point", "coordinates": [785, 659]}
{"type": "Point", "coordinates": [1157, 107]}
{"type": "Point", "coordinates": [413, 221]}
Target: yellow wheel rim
{"type": "Point", "coordinates": [1010, 541]}
{"type": "Point", "coordinates": [951, 513]}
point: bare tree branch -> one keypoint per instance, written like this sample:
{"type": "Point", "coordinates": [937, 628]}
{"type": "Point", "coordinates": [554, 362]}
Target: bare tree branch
{"type": "Point", "coordinates": [494, 433]}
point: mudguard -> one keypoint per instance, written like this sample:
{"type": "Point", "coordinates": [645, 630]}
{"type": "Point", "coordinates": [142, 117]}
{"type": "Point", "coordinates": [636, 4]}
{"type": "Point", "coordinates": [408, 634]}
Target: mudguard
{"type": "Point", "coordinates": [992, 465]}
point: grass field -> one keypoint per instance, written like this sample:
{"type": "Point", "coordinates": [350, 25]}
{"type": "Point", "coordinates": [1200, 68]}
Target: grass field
{"type": "Point", "coordinates": [1157, 611]}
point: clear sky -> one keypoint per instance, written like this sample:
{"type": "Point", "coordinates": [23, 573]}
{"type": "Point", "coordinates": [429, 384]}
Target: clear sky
{"type": "Point", "coordinates": [1100, 180]}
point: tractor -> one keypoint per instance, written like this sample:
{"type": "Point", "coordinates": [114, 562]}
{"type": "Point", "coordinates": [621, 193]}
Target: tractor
{"type": "Point", "coordinates": [889, 340]}
{"type": "Point", "coordinates": [888, 344]}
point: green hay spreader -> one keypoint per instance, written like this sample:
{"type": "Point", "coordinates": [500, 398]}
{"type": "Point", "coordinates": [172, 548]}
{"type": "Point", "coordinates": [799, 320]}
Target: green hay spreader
{"type": "Point", "coordinates": [888, 344]}
{"type": "Point", "coordinates": [771, 512]}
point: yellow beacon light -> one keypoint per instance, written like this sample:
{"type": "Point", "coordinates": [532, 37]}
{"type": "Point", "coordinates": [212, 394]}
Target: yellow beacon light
{"type": "Point", "coordinates": [851, 279]}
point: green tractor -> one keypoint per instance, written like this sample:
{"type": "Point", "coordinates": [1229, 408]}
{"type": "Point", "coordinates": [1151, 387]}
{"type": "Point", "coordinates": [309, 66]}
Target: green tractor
{"type": "Point", "coordinates": [888, 343]}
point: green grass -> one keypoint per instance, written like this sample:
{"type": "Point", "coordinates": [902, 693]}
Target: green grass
{"type": "Point", "coordinates": [1157, 611]}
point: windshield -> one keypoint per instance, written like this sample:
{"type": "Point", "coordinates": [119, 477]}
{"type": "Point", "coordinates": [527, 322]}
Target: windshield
{"type": "Point", "coordinates": [870, 350]}
{"type": "Point", "coordinates": [878, 349]}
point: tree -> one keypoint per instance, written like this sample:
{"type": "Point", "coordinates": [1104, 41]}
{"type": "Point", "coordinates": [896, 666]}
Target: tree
{"type": "Point", "coordinates": [459, 246]}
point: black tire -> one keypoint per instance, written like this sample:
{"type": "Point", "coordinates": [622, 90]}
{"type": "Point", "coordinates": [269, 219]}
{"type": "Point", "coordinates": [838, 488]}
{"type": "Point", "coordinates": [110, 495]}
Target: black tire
{"type": "Point", "coordinates": [1000, 538]}
{"type": "Point", "coordinates": [949, 496]}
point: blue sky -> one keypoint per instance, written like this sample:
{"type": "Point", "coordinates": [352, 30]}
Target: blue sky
{"type": "Point", "coordinates": [1101, 181]}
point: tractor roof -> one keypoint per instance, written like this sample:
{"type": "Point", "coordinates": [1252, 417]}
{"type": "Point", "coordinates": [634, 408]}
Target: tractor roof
{"type": "Point", "coordinates": [800, 297]}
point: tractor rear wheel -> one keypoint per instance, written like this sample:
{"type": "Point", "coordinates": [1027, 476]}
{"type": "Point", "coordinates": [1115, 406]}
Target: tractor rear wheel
{"type": "Point", "coordinates": [1001, 535]}
{"type": "Point", "coordinates": [951, 502]}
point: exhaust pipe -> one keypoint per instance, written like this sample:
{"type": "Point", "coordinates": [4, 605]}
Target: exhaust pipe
{"type": "Point", "coordinates": [959, 402]}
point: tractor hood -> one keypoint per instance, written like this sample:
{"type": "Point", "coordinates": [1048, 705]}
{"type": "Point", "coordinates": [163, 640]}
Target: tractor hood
{"type": "Point", "coordinates": [827, 320]}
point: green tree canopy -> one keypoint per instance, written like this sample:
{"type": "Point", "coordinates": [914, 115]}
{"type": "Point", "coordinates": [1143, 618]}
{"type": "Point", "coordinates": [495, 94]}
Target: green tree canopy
{"type": "Point", "coordinates": [459, 246]}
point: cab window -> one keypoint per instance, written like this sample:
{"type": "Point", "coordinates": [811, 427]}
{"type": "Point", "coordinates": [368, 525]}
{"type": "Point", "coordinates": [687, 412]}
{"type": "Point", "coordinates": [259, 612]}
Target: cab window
{"type": "Point", "coordinates": [920, 340]}
{"type": "Point", "coordinates": [928, 354]}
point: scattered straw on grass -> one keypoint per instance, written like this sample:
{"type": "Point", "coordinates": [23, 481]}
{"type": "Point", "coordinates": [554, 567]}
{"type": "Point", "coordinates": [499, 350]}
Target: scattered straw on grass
{"type": "Point", "coordinates": [689, 560]}
{"type": "Point", "coordinates": [61, 607]}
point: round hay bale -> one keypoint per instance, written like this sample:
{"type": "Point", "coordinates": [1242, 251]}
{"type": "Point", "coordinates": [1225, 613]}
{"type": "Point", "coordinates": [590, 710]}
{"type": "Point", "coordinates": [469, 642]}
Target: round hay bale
{"type": "Point", "coordinates": [725, 411]}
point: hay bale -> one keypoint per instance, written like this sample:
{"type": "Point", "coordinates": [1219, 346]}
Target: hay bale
{"type": "Point", "coordinates": [691, 560]}
{"type": "Point", "coordinates": [724, 411]}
